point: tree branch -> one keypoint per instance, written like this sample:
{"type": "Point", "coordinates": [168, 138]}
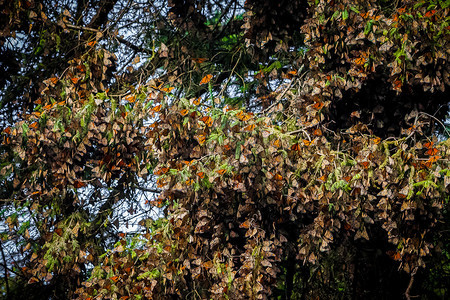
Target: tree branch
{"type": "Point", "coordinates": [132, 46]}
{"type": "Point", "coordinates": [6, 270]}
{"type": "Point", "coordinates": [118, 38]}
{"type": "Point", "coordinates": [147, 189]}
{"type": "Point", "coordinates": [411, 281]}
{"type": "Point", "coordinates": [101, 17]}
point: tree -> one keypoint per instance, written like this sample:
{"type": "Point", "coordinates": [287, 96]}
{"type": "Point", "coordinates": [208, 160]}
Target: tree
{"type": "Point", "coordinates": [293, 149]}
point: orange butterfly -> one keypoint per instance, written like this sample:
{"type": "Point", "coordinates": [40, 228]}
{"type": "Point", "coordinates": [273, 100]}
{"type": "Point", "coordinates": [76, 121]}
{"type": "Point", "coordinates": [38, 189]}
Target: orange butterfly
{"type": "Point", "coordinates": [317, 132]}
{"type": "Point", "coordinates": [318, 105]}
{"type": "Point", "coordinates": [433, 159]}
{"type": "Point", "coordinates": [307, 143]}
{"type": "Point", "coordinates": [161, 171]}
{"type": "Point", "coordinates": [201, 139]}
{"type": "Point", "coordinates": [365, 164]}
{"type": "Point", "coordinates": [79, 184]}
{"type": "Point", "coordinates": [48, 106]}
{"type": "Point", "coordinates": [206, 79]}
{"type": "Point", "coordinates": [428, 145]}
{"type": "Point", "coordinates": [167, 90]}
{"type": "Point", "coordinates": [250, 127]}
{"type": "Point", "coordinates": [199, 60]}
{"type": "Point", "coordinates": [243, 116]}
{"type": "Point", "coordinates": [323, 178]}
{"type": "Point", "coordinates": [207, 120]}
{"type": "Point", "coordinates": [157, 108]}
{"type": "Point", "coordinates": [430, 13]}
{"type": "Point", "coordinates": [246, 224]}
{"type": "Point", "coordinates": [277, 143]}
{"type": "Point", "coordinates": [278, 177]}
{"type": "Point", "coordinates": [397, 85]}
{"type": "Point", "coordinates": [81, 68]}
{"type": "Point", "coordinates": [359, 60]}
{"type": "Point", "coordinates": [221, 171]}
{"type": "Point", "coordinates": [130, 98]}
{"type": "Point", "coordinates": [432, 151]}
{"type": "Point", "coordinates": [397, 256]}
{"type": "Point", "coordinates": [376, 18]}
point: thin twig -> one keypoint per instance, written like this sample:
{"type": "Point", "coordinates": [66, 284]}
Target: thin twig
{"type": "Point", "coordinates": [147, 189]}
{"type": "Point", "coordinates": [81, 28]}
{"type": "Point", "coordinates": [231, 74]}
{"type": "Point", "coordinates": [411, 281]}
{"type": "Point", "coordinates": [132, 46]}
{"type": "Point", "coordinates": [437, 120]}
{"type": "Point", "coordinates": [118, 38]}
{"type": "Point", "coordinates": [280, 96]}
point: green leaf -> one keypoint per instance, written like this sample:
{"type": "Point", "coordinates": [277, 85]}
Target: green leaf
{"type": "Point", "coordinates": [237, 154]}
{"type": "Point", "coordinates": [354, 9]}
{"type": "Point", "coordinates": [345, 15]}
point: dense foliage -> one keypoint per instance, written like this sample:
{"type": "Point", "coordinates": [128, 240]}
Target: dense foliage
{"type": "Point", "coordinates": [230, 150]}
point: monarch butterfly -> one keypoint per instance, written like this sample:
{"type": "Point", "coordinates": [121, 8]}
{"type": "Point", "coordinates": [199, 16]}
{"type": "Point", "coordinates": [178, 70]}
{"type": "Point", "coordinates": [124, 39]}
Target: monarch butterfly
{"type": "Point", "coordinates": [157, 108]}
{"type": "Point", "coordinates": [207, 120]}
{"type": "Point", "coordinates": [318, 105]}
{"type": "Point", "coordinates": [199, 60]}
{"type": "Point", "coordinates": [428, 145]}
{"type": "Point", "coordinates": [307, 143]}
{"type": "Point", "coordinates": [365, 164]}
{"type": "Point", "coordinates": [317, 132]}
{"type": "Point", "coordinates": [206, 79]}
{"type": "Point", "coordinates": [221, 171]}
{"type": "Point", "coordinates": [360, 60]}
{"type": "Point", "coordinates": [250, 127]}
{"type": "Point", "coordinates": [201, 139]}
